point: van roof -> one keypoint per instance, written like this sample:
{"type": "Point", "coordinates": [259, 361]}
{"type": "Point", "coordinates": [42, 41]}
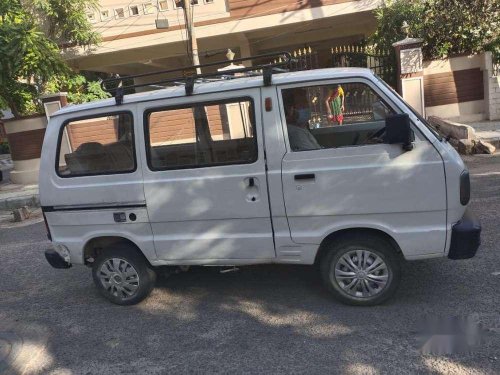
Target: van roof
{"type": "Point", "coordinates": [220, 85]}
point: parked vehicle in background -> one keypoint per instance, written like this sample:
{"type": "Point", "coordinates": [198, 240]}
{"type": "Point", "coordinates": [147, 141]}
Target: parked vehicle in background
{"type": "Point", "coordinates": [249, 171]}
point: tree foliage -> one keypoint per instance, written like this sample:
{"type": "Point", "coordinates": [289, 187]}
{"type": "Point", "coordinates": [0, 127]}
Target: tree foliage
{"type": "Point", "coordinates": [81, 88]}
{"type": "Point", "coordinates": [448, 27]}
{"type": "Point", "coordinates": [65, 21]}
{"type": "Point", "coordinates": [30, 32]}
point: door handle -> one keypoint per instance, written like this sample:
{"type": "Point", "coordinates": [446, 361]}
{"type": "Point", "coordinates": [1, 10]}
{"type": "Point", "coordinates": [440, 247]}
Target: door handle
{"type": "Point", "coordinates": [251, 182]}
{"type": "Point", "coordinates": [305, 176]}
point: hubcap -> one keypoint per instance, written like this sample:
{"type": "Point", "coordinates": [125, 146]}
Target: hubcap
{"type": "Point", "coordinates": [360, 273]}
{"type": "Point", "coordinates": [119, 278]}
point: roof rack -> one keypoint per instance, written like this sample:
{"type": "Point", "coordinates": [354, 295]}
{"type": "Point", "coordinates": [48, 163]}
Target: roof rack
{"type": "Point", "coordinates": [190, 77]}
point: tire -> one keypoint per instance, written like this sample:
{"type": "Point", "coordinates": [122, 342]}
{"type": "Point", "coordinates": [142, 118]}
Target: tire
{"type": "Point", "coordinates": [368, 283]}
{"type": "Point", "coordinates": [123, 276]}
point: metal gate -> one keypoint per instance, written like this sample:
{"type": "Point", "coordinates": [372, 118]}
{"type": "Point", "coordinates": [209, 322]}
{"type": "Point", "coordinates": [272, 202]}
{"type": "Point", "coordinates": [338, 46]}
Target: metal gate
{"type": "Point", "coordinates": [302, 59]}
{"type": "Point", "coordinates": [382, 63]}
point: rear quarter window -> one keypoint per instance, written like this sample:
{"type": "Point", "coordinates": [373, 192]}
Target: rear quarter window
{"type": "Point", "coordinates": [96, 145]}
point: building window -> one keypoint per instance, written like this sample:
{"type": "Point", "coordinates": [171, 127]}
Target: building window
{"type": "Point", "coordinates": [201, 135]}
{"type": "Point", "coordinates": [163, 5]}
{"type": "Point", "coordinates": [104, 15]}
{"type": "Point", "coordinates": [209, 1]}
{"type": "Point", "coordinates": [180, 3]}
{"type": "Point", "coordinates": [119, 13]}
{"type": "Point", "coordinates": [134, 10]}
{"type": "Point", "coordinates": [91, 17]}
{"type": "Point", "coordinates": [96, 145]}
{"type": "Point", "coordinates": [149, 8]}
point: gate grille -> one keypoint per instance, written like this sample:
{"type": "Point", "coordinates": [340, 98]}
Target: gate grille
{"type": "Point", "coordinates": [382, 63]}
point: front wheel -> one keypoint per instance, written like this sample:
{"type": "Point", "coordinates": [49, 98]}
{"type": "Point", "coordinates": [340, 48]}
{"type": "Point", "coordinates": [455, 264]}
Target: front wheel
{"type": "Point", "coordinates": [123, 276]}
{"type": "Point", "coordinates": [361, 270]}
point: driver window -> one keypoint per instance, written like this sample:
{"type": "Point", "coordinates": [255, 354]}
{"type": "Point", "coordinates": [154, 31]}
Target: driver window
{"type": "Point", "coordinates": [336, 115]}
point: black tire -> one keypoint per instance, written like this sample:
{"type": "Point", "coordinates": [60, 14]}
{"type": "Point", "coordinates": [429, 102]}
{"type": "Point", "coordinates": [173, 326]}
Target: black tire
{"type": "Point", "coordinates": [123, 293]}
{"type": "Point", "coordinates": [377, 246]}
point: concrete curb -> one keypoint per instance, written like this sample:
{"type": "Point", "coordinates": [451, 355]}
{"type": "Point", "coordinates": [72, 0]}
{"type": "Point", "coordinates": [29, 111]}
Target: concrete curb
{"type": "Point", "coordinates": [31, 200]}
{"type": "Point", "coordinates": [463, 137]}
{"type": "Point", "coordinates": [452, 129]}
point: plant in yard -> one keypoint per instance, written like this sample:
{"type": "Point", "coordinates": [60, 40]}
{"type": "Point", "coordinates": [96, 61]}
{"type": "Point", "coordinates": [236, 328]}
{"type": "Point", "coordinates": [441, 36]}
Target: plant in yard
{"type": "Point", "coordinates": [81, 88]}
{"type": "Point", "coordinates": [31, 32]}
{"type": "Point", "coordinates": [4, 148]}
{"type": "Point", "coordinates": [448, 27]}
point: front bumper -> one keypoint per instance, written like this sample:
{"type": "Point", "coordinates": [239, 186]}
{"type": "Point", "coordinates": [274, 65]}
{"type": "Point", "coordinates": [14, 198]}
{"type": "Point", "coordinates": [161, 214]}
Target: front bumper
{"type": "Point", "coordinates": [55, 259]}
{"type": "Point", "coordinates": [465, 237]}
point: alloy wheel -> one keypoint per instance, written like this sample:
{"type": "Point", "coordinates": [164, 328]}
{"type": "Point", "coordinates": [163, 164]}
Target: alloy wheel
{"type": "Point", "coordinates": [360, 273]}
{"type": "Point", "coordinates": [119, 278]}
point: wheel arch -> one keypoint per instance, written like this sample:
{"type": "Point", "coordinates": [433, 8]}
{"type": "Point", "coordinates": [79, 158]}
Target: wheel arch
{"type": "Point", "coordinates": [337, 235]}
{"type": "Point", "coordinates": [97, 245]}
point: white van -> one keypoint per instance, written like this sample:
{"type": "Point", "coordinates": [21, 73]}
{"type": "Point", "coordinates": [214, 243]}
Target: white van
{"type": "Point", "coordinates": [245, 171]}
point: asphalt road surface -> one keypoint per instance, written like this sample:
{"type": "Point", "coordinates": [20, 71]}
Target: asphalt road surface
{"type": "Point", "coordinates": [262, 319]}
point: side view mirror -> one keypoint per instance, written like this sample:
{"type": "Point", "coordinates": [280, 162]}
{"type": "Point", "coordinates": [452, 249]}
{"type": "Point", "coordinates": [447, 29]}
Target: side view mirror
{"type": "Point", "coordinates": [398, 131]}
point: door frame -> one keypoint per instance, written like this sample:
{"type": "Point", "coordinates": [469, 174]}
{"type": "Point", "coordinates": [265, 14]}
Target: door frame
{"type": "Point", "coordinates": [252, 94]}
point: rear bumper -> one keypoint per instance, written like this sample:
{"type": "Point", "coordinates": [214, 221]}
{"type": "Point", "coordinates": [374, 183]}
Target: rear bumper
{"type": "Point", "coordinates": [55, 259]}
{"type": "Point", "coordinates": [465, 237]}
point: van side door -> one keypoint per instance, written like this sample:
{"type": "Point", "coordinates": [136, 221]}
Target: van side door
{"type": "Point", "coordinates": [339, 172]}
{"type": "Point", "coordinates": [205, 178]}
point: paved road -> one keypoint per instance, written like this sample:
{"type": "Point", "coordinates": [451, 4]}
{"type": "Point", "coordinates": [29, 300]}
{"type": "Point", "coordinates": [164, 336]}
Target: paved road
{"type": "Point", "coordinates": [266, 319]}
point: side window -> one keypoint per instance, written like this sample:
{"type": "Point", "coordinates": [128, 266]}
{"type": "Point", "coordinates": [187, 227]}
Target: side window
{"type": "Point", "coordinates": [337, 115]}
{"type": "Point", "coordinates": [201, 135]}
{"type": "Point", "coordinates": [97, 145]}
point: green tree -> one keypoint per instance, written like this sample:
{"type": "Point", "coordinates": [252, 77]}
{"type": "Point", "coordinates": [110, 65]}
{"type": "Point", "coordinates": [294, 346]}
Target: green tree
{"type": "Point", "coordinates": [81, 88]}
{"type": "Point", "coordinates": [31, 32]}
{"type": "Point", "coordinates": [448, 27]}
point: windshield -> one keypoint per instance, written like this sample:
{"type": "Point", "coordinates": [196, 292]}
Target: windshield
{"type": "Point", "coordinates": [432, 129]}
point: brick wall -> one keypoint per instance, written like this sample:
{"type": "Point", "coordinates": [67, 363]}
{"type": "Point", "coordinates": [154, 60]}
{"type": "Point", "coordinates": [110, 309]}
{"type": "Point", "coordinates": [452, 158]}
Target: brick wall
{"type": "Point", "coordinates": [178, 125]}
{"type": "Point", "coordinates": [26, 145]}
{"type": "Point", "coordinates": [98, 130]}
{"type": "Point", "coordinates": [454, 88]}
{"type": "Point", "coordinates": [3, 135]}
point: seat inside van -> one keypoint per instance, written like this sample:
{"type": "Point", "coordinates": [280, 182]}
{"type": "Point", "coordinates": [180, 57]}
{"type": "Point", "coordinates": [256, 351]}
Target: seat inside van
{"type": "Point", "coordinates": [189, 154]}
{"type": "Point", "coordinates": [94, 157]}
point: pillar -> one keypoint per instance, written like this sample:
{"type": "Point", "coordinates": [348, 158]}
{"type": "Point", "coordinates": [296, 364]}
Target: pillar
{"type": "Point", "coordinates": [410, 72]}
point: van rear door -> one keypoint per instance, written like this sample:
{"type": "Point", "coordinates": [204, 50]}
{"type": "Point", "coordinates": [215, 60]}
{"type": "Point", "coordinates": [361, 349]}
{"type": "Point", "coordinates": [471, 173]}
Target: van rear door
{"type": "Point", "coordinates": [205, 178]}
{"type": "Point", "coordinates": [94, 188]}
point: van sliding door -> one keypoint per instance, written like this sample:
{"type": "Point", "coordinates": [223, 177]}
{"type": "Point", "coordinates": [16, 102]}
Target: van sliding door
{"type": "Point", "coordinates": [205, 179]}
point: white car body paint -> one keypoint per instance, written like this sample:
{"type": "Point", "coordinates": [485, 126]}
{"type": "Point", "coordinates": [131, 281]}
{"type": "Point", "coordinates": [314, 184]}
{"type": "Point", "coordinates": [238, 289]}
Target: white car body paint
{"type": "Point", "coordinates": [204, 216]}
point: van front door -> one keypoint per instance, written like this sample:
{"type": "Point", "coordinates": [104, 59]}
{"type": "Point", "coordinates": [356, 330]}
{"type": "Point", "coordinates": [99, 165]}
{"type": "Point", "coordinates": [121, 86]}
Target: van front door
{"type": "Point", "coordinates": [339, 173]}
{"type": "Point", "coordinates": [205, 179]}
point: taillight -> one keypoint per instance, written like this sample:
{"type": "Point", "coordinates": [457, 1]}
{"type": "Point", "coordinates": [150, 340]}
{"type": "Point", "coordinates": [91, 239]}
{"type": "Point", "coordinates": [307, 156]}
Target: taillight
{"type": "Point", "coordinates": [49, 236]}
{"type": "Point", "coordinates": [464, 188]}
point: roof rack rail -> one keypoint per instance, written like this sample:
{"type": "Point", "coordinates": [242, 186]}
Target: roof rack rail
{"type": "Point", "coordinates": [190, 76]}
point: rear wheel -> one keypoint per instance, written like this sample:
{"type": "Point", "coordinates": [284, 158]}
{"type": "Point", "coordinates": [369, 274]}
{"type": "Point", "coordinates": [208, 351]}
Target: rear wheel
{"type": "Point", "coordinates": [123, 276]}
{"type": "Point", "coordinates": [361, 270]}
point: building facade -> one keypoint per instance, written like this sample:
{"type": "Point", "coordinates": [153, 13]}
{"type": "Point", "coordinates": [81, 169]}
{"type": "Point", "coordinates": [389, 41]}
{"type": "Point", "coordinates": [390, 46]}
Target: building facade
{"type": "Point", "coordinates": [132, 43]}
